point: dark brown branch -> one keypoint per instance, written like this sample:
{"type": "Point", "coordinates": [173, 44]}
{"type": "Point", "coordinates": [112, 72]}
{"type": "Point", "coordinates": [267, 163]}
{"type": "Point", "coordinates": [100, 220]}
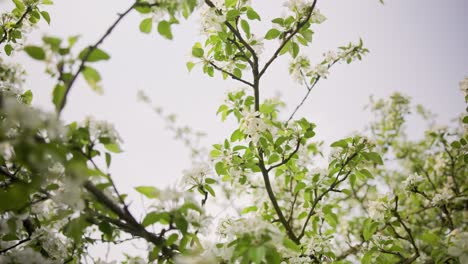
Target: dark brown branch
{"type": "Point", "coordinates": [130, 225]}
{"type": "Point", "coordinates": [271, 195]}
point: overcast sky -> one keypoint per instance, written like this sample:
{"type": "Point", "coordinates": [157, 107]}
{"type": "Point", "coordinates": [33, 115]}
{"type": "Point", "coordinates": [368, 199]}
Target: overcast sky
{"type": "Point", "coordinates": [417, 47]}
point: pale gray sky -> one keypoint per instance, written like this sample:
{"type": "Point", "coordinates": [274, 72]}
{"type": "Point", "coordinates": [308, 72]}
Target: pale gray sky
{"type": "Point", "coordinates": [417, 47]}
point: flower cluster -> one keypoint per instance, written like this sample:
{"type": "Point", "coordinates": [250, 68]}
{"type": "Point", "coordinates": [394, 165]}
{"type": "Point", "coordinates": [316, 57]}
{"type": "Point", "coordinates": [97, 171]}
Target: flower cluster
{"type": "Point", "coordinates": [464, 86]}
{"type": "Point", "coordinates": [413, 181]}
{"type": "Point", "coordinates": [253, 125]}
{"type": "Point", "coordinates": [458, 245]}
{"type": "Point", "coordinates": [197, 174]}
{"type": "Point", "coordinates": [443, 196]}
{"type": "Point", "coordinates": [378, 208]}
{"type": "Point", "coordinates": [253, 226]}
{"type": "Point", "coordinates": [102, 130]}
{"type": "Point", "coordinates": [211, 20]}
{"type": "Point", "coordinates": [301, 69]}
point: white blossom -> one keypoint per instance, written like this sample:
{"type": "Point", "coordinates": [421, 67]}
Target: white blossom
{"type": "Point", "coordinates": [321, 70]}
{"type": "Point", "coordinates": [413, 181]}
{"type": "Point", "coordinates": [197, 174]}
{"type": "Point", "coordinates": [378, 208]}
{"type": "Point", "coordinates": [253, 226]}
{"type": "Point", "coordinates": [458, 245]}
{"type": "Point", "coordinates": [253, 125]}
{"type": "Point", "coordinates": [25, 255]}
{"type": "Point", "coordinates": [102, 129]}
{"type": "Point", "coordinates": [257, 45]}
{"type": "Point", "coordinates": [330, 56]}
{"type": "Point", "coordinates": [298, 6]}
{"type": "Point", "coordinates": [464, 86]}
{"type": "Point", "coordinates": [298, 66]}
{"type": "Point", "coordinates": [211, 20]}
{"type": "Point", "coordinates": [317, 17]}
{"type": "Point", "coordinates": [443, 196]}
{"type": "Point", "coordinates": [70, 193]}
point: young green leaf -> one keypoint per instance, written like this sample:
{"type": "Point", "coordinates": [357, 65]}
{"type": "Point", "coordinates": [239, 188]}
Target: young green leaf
{"type": "Point", "coordinates": [35, 52]}
{"type": "Point", "coordinates": [164, 28]}
{"type": "Point", "coordinates": [146, 25]}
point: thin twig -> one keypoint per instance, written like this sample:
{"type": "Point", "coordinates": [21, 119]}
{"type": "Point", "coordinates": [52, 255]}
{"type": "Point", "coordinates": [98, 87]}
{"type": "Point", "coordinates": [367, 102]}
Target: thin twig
{"type": "Point", "coordinates": [20, 20]}
{"type": "Point", "coordinates": [230, 74]}
{"type": "Point", "coordinates": [94, 47]}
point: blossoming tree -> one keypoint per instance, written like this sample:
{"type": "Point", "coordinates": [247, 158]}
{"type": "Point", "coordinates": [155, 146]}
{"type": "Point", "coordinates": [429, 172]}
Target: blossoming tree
{"type": "Point", "coordinates": [380, 197]}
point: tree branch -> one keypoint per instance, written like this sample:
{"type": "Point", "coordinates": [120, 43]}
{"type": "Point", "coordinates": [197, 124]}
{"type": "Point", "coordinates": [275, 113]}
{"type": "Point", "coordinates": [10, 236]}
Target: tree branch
{"type": "Point", "coordinates": [274, 201]}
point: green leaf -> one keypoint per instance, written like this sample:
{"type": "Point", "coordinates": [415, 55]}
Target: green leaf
{"type": "Point", "coordinates": [108, 159]}
{"type": "Point", "coordinates": [364, 174]}
{"type": "Point", "coordinates": [465, 120]}
{"type": "Point", "coordinates": [249, 209]}
{"type": "Point", "coordinates": [455, 144]}
{"type": "Point", "coordinates": [113, 147]}
{"type": "Point", "coordinates": [58, 95]}
{"type": "Point", "coordinates": [19, 4]}
{"type": "Point", "coordinates": [8, 49]}
{"type": "Point", "coordinates": [35, 52]}
{"type": "Point", "coordinates": [430, 238]}
{"type": "Point", "coordinates": [53, 42]}
{"type": "Point", "coordinates": [148, 191]}
{"type": "Point", "coordinates": [27, 97]}
{"type": "Point", "coordinates": [246, 27]}
{"type": "Point", "coordinates": [252, 15]}
{"type": "Point", "coordinates": [209, 189]}
{"type": "Point", "coordinates": [75, 228]}
{"type": "Point", "coordinates": [172, 239]}
{"type": "Point", "coordinates": [181, 224]}
{"type": "Point", "coordinates": [220, 169]}
{"type": "Point", "coordinates": [340, 143]}
{"type": "Point", "coordinates": [373, 156]}
{"type": "Point", "coordinates": [151, 218]}
{"type": "Point", "coordinates": [93, 78]}
{"type": "Point", "coordinates": [294, 49]}
{"type": "Point", "coordinates": [370, 227]}
{"type": "Point", "coordinates": [197, 51]}
{"type": "Point", "coordinates": [95, 55]}
{"type": "Point", "coordinates": [46, 16]}
{"type": "Point", "coordinates": [230, 3]}
{"type": "Point", "coordinates": [272, 34]}
{"type": "Point", "coordinates": [273, 158]}
{"type": "Point", "coordinates": [367, 258]}
{"type": "Point", "coordinates": [190, 66]}
{"type": "Point", "coordinates": [210, 181]}
{"type": "Point", "coordinates": [146, 25]}
{"type": "Point", "coordinates": [288, 243]}
{"type": "Point", "coordinates": [164, 28]}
